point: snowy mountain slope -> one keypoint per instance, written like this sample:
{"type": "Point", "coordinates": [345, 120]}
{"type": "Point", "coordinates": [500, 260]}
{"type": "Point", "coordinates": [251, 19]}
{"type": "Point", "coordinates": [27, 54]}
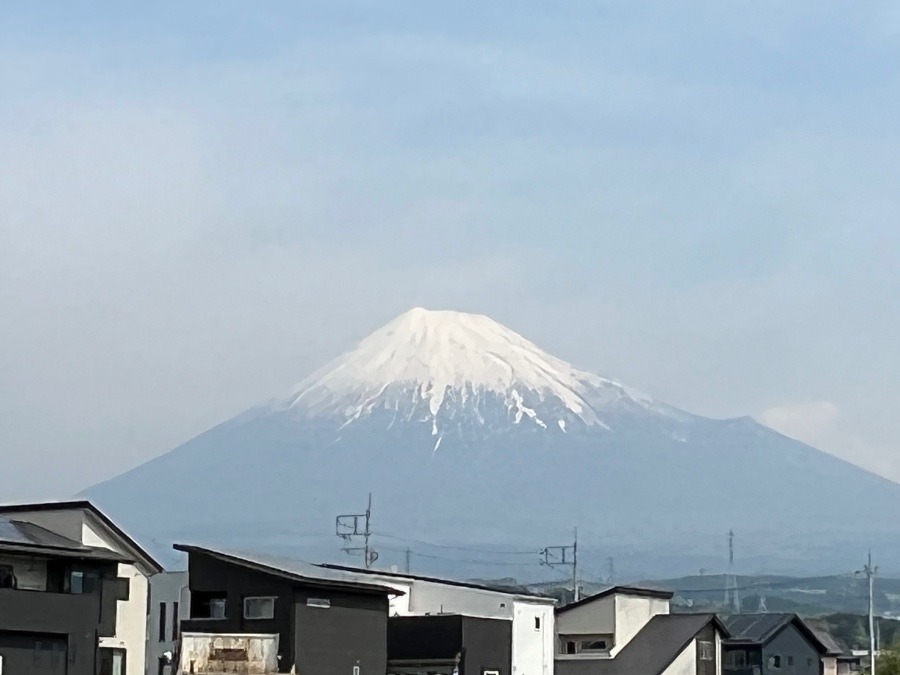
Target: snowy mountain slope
{"type": "Point", "coordinates": [466, 432]}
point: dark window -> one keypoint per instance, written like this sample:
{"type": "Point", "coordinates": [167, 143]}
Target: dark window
{"type": "Point", "coordinates": [176, 622]}
{"type": "Point", "coordinates": [80, 582]}
{"type": "Point", "coordinates": [7, 578]}
{"type": "Point", "coordinates": [570, 647]}
{"type": "Point", "coordinates": [162, 622]}
{"type": "Point", "coordinates": [736, 658]}
{"type": "Point", "coordinates": [208, 604]}
{"type": "Point", "coordinates": [592, 646]}
{"type": "Point", "coordinates": [537, 623]}
{"type": "Point", "coordinates": [775, 661]}
{"type": "Point", "coordinates": [790, 660]}
{"type": "Point", "coordinates": [754, 658]}
{"type": "Point", "coordinates": [123, 588]}
{"type": "Point", "coordinates": [112, 661]}
{"type": "Point", "coordinates": [259, 608]}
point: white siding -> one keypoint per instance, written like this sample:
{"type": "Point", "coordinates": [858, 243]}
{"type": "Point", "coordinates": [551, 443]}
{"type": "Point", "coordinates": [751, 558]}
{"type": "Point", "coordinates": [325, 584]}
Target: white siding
{"type": "Point", "coordinates": [532, 648]}
{"type": "Point", "coordinates": [428, 597]}
{"type": "Point", "coordinates": [685, 663]}
{"type": "Point", "coordinates": [168, 588]}
{"type": "Point", "coordinates": [632, 614]}
{"type": "Point", "coordinates": [829, 665]}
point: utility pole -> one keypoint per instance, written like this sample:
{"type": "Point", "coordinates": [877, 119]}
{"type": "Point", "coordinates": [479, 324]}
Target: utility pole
{"type": "Point", "coordinates": [408, 554]}
{"type": "Point", "coordinates": [870, 571]}
{"type": "Point", "coordinates": [610, 570]}
{"type": "Point", "coordinates": [564, 556]}
{"type": "Point", "coordinates": [351, 525]}
{"type": "Point", "coordinates": [732, 597]}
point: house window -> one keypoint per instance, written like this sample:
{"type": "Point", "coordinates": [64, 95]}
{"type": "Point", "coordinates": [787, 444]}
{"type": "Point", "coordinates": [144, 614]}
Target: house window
{"type": "Point", "coordinates": [112, 661]}
{"type": "Point", "coordinates": [176, 622]}
{"type": "Point", "coordinates": [775, 661]}
{"type": "Point", "coordinates": [259, 608]}
{"type": "Point", "coordinates": [208, 605]}
{"type": "Point", "coordinates": [736, 658]}
{"type": "Point", "coordinates": [162, 622]}
{"type": "Point", "coordinates": [585, 644]}
{"type": "Point", "coordinates": [7, 577]}
{"type": "Point", "coordinates": [707, 650]}
{"type": "Point", "coordinates": [537, 623]}
{"type": "Point", "coordinates": [790, 660]}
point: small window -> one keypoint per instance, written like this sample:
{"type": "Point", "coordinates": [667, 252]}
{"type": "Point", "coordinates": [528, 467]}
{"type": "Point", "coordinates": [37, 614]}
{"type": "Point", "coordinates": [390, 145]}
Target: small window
{"type": "Point", "coordinates": [162, 622]}
{"type": "Point", "coordinates": [790, 660]}
{"type": "Point", "coordinates": [707, 650]}
{"type": "Point", "coordinates": [537, 623]}
{"type": "Point", "coordinates": [736, 658]}
{"type": "Point", "coordinates": [7, 577]}
{"type": "Point", "coordinates": [176, 622]}
{"type": "Point", "coordinates": [775, 661]}
{"type": "Point", "coordinates": [208, 605]}
{"type": "Point", "coordinates": [259, 608]}
{"type": "Point", "coordinates": [570, 647]}
{"type": "Point", "coordinates": [593, 646]}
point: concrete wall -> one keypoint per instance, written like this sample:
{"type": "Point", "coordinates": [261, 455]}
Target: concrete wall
{"type": "Point", "coordinates": [685, 663]}
{"type": "Point", "coordinates": [632, 614]}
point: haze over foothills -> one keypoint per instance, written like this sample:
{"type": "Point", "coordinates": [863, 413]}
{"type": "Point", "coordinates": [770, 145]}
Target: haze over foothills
{"type": "Point", "coordinates": [200, 204]}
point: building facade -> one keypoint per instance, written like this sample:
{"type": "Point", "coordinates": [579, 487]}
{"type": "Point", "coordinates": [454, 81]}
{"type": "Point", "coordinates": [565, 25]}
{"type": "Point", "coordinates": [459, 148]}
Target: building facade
{"type": "Point", "coordinates": [123, 650]}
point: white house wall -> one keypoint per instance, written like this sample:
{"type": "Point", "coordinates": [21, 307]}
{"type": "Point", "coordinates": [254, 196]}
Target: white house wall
{"type": "Point", "coordinates": [632, 614]}
{"type": "Point", "coordinates": [533, 642]}
{"type": "Point", "coordinates": [427, 597]}
{"type": "Point", "coordinates": [168, 588]}
{"type": "Point", "coordinates": [685, 663]}
{"type": "Point", "coordinates": [597, 617]}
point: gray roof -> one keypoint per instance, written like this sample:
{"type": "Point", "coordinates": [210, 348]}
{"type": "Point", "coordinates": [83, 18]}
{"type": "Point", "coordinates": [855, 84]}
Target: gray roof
{"type": "Point", "coordinates": [650, 652]}
{"type": "Point", "coordinates": [292, 569]}
{"type": "Point", "coordinates": [758, 629]}
{"type": "Point", "coordinates": [22, 536]}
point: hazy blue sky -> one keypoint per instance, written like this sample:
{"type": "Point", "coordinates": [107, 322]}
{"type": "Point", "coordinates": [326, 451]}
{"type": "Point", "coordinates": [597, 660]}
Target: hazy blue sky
{"type": "Point", "coordinates": [201, 202]}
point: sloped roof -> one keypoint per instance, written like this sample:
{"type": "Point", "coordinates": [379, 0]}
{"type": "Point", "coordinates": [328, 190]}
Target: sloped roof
{"type": "Point", "coordinates": [399, 576]}
{"type": "Point", "coordinates": [651, 651]}
{"type": "Point", "coordinates": [639, 591]}
{"type": "Point", "coordinates": [18, 536]}
{"type": "Point", "coordinates": [759, 629]}
{"type": "Point", "coordinates": [291, 569]}
{"type": "Point", "coordinates": [85, 505]}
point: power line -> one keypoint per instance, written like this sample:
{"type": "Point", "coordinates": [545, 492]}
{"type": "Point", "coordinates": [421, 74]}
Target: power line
{"type": "Point", "coordinates": [469, 549]}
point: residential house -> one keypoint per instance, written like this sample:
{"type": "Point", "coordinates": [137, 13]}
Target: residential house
{"type": "Point", "coordinates": [123, 649]}
{"type": "Point", "coordinates": [445, 644]}
{"type": "Point", "coordinates": [627, 630]}
{"type": "Point", "coordinates": [531, 618]}
{"type": "Point", "coordinates": [58, 601]}
{"type": "Point", "coordinates": [169, 605]}
{"type": "Point", "coordinates": [315, 620]}
{"type": "Point", "coordinates": [772, 644]}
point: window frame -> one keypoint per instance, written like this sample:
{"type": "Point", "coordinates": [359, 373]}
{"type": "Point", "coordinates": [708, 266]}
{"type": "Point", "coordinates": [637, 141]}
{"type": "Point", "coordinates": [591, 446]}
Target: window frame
{"type": "Point", "coordinates": [706, 650]}
{"type": "Point", "coordinates": [258, 598]}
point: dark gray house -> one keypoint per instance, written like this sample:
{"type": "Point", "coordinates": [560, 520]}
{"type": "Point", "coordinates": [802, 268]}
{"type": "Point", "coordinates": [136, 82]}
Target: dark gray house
{"type": "Point", "coordinates": [57, 598]}
{"type": "Point", "coordinates": [444, 644]}
{"type": "Point", "coordinates": [668, 644]}
{"type": "Point", "coordinates": [326, 621]}
{"type": "Point", "coordinates": [772, 644]}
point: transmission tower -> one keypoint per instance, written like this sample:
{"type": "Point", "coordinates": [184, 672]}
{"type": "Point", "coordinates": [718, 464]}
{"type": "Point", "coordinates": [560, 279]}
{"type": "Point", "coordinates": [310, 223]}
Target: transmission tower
{"type": "Point", "coordinates": [350, 525]}
{"type": "Point", "coordinates": [870, 571]}
{"type": "Point", "coordinates": [732, 597]}
{"type": "Point", "coordinates": [564, 556]}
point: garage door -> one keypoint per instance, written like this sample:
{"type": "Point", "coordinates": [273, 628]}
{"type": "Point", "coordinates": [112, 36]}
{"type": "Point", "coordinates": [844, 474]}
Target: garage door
{"type": "Point", "coordinates": [32, 654]}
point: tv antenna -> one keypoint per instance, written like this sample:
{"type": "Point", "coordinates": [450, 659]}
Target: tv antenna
{"type": "Point", "coordinates": [350, 525]}
{"type": "Point", "coordinates": [732, 597]}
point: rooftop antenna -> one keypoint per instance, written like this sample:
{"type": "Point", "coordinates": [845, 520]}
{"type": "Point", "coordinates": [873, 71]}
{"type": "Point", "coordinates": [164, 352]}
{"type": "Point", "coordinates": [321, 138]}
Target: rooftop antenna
{"type": "Point", "coordinates": [564, 556]}
{"type": "Point", "coordinates": [732, 598]}
{"type": "Point", "coordinates": [351, 525]}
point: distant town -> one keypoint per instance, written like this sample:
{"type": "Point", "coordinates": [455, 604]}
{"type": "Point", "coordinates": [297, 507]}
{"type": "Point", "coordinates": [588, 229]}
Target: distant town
{"type": "Point", "coordinates": [80, 596]}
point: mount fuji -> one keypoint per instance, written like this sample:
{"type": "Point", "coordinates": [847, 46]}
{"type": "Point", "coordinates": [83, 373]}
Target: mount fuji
{"type": "Point", "coordinates": [479, 447]}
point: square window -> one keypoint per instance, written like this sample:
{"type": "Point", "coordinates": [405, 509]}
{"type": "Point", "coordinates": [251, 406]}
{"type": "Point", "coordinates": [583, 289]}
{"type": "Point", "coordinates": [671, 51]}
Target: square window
{"type": "Point", "coordinates": [707, 650]}
{"type": "Point", "coordinates": [259, 608]}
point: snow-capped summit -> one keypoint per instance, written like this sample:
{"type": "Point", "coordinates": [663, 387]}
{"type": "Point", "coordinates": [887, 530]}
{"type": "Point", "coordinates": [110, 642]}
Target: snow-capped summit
{"type": "Point", "coordinates": [438, 366]}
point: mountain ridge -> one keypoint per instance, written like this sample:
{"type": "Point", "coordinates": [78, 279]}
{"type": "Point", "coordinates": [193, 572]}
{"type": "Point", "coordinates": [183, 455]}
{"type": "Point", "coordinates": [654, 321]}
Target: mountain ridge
{"type": "Point", "coordinates": [456, 454]}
